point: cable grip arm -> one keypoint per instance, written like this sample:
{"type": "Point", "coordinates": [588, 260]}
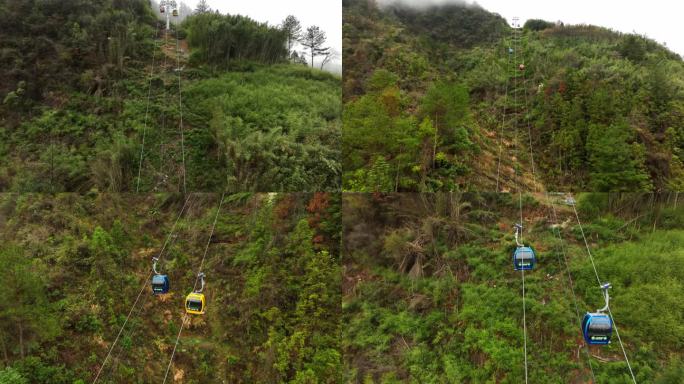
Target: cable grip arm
{"type": "Point", "coordinates": [201, 277]}
{"type": "Point", "coordinates": [154, 265]}
{"type": "Point", "coordinates": [605, 287]}
{"type": "Point", "coordinates": [518, 233]}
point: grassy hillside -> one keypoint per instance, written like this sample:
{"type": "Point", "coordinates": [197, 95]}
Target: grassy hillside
{"type": "Point", "coordinates": [430, 294]}
{"type": "Point", "coordinates": [250, 120]}
{"type": "Point", "coordinates": [73, 265]}
{"type": "Point", "coordinates": [425, 93]}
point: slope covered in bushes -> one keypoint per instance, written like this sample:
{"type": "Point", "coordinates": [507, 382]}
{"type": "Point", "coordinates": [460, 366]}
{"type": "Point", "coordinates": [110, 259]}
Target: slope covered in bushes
{"type": "Point", "coordinates": [595, 109]}
{"type": "Point", "coordinates": [73, 266]}
{"type": "Point", "coordinates": [107, 115]}
{"type": "Point", "coordinates": [430, 294]}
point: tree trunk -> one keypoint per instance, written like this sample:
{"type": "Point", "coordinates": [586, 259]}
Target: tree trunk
{"type": "Point", "coordinates": [4, 350]}
{"type": "Point", "coordinates": [21, 340]}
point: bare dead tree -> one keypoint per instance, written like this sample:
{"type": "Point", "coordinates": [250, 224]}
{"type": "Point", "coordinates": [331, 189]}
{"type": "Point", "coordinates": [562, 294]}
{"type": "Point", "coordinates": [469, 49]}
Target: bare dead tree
{"type": "Point", "coordinates": [331, 55]}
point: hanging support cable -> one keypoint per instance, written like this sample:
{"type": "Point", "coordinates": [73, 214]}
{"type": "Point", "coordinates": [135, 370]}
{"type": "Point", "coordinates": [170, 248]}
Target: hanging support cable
{"type": "Point", "coordinates": [503, 118]}
{"type": "Point", "coordinates": [149, 275]}
{"type": "Point", "coordinates": [147, 111]}
{"type": "Point", "coordinates": [139, 310]}
{"type": "Point", "coordinates": [180, 108]}
{"type": "Point", "coordinates": [527, 120]}
{"type": "Point", "coordinates": [200, 275]}
{"type": "Point", "coordinates": [524, 322]}
{"type": "Point", "coordinates": [572, 287]}
{"type": "Point", "coordinates": [519, 234]}
{"type": "Point", "coordinates": [164, 111]}
{"type": "Point", "coordinates": [591, 257]}
{"type": "Point", "coordinates": [519, 242]}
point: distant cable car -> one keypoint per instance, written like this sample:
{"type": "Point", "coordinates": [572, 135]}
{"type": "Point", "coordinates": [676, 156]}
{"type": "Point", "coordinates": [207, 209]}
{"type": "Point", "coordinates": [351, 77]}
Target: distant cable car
{"type": "Point", "coordinates": [160, 283]}
{"type": "Point", "coordinates": [597, 327]}
{"type": "Point", "coordinates": [175, 12]}
{"type": "Point", "coordinates": [521, 67]}
{"type": "Point", "coordinates": [195, 302]}
{"type": "Point", "coordinates": [510, 50]}
{"type": "Point", "coordinates": [524, 258]}
{"type": "Point", "coordinates": [161, 9]}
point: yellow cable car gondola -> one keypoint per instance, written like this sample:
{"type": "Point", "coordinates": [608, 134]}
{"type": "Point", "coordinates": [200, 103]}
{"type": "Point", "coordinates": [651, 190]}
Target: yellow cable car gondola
{"type": "Point", "coordinates": [175, 13]}
{"type": "Point", "coordinates": [195, 302]}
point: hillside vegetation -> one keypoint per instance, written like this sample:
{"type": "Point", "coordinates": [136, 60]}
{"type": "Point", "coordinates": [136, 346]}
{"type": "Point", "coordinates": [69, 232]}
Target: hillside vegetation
{"type": "Point", "coordinates": [430, 294]}
{"type": "Point", "coordinates": [425, 93]}
{"type": "Point", "coordinates": [71, 267]}
{"type": "Point", "coordinates": [84, 84]}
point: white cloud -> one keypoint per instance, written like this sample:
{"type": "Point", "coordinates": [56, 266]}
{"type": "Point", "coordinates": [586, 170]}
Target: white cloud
{"type": "Point", "coordinates": [419, 3]}
{"type": "Point", "coordinates": [660, 20]}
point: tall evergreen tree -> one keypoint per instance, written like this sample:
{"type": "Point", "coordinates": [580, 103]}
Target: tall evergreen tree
{"type": "Point", "coordinates": [615, 165]}
{"type": "Point", "coordinates": [202, 7]}
{"type": "Point", "coordinates": [293, 29]}
{"type": "Point", "coordinates": [313, 40]}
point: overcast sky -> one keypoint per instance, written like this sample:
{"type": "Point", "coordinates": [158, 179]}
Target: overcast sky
{"type": "Point", "coordinates": [660, 20]}
{"type": "Point", "coordinates": [327, 14]}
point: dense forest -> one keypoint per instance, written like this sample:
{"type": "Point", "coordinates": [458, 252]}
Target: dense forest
{"type": "Point", "coordinates": [96, 95]}
{"type": "Point", "coordinates": [71, 267]}
{"type": "Point", "coordinates": [434, 100]}
{"type": "Point", "coordinates": [430, 294]}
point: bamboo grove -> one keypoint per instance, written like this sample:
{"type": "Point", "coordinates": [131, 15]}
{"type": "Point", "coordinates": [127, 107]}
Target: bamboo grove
{"type": "Point", "coordinates": [217, 39]}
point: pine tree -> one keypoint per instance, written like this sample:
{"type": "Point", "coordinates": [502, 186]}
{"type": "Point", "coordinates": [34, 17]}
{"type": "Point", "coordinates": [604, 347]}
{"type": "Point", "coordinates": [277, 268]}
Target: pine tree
{"type": "Point", "coordinates": [313, 39]}
{"type": "Point", "coordinates": [447, 106]}
{"type": "Point", "coordinates": [202, 7]}
{"type": "Point", "coordinates": [615, 165]}
{"type": "Point", "coordinates": [293, 29]}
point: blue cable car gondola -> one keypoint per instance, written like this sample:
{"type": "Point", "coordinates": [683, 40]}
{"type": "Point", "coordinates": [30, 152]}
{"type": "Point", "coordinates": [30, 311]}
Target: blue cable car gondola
{"type": "Point", "coordinates": [597, 327]}
{"type": "Point", "coordinates": [524, 258]}
{"type": "Point", "coordinates": [160, 283]}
